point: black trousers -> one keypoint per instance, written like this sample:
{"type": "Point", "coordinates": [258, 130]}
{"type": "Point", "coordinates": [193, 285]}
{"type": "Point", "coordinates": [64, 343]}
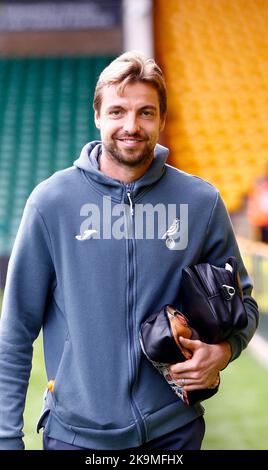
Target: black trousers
{"type": "Point", "coordinates": [188, 437]}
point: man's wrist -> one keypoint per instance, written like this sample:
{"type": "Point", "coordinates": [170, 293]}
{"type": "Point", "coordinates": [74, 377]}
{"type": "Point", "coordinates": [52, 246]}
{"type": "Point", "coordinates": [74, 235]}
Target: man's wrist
{"type": "Point", "coordinates": [226, 353]}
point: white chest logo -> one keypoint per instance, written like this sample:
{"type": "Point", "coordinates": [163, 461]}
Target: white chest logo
{"type": "Point", "coordinates": [169, 234]}
{"type": "Point", "coordinates": [86, 235]}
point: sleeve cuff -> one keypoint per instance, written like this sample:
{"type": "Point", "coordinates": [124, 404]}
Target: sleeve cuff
{"type": "Point", "coordinates": [235, 347]}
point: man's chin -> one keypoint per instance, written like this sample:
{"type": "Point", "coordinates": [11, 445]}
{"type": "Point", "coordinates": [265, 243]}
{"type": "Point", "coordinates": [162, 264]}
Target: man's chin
{"type": "Point", "coordinates": [130, 157]}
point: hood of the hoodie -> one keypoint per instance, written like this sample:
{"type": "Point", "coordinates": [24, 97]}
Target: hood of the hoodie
{"type": "Point", "coordinates": [88, 162]}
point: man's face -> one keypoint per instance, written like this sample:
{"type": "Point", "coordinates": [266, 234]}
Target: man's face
{"type": "Point", "coordinates": [129, 123]}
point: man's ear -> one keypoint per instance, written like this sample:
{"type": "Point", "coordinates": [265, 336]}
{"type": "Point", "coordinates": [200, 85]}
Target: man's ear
{"type": "Point", "coordinates": [97, 119]}
{"type": "Point", "coordinates": [162, 123]}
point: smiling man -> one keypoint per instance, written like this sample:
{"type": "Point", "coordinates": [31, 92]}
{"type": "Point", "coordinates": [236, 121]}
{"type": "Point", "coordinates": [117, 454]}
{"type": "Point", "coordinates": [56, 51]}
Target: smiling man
{"type": "Point", "coordinates": [90, 293]}
{"type": "Point", "coordinates": [130, 115]}
{"type": "Point", "coordinates": [129, 120]}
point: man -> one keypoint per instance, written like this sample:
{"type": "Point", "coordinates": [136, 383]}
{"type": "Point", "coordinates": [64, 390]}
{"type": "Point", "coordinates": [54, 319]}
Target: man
{"type": "Point", "coordinates": [101, 246]}
{"type": "Point", "coordinates": [257, 209]}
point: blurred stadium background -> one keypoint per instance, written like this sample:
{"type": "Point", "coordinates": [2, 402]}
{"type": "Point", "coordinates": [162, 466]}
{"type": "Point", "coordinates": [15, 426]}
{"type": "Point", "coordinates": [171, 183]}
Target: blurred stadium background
{"type": "Point", "coordinates": [214, 54]}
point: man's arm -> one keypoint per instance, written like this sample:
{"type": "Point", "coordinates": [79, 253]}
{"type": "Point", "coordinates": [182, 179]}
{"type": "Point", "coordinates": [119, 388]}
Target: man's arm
{"type": "Point", "coordinates": [208, 360]}
{"type": "Point", "coordinates": [220, 243]}
{"type": "Point", "coordinates": [29, 279]}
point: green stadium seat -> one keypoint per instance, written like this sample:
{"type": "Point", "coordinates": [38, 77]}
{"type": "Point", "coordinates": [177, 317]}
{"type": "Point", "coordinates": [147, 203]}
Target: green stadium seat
{"type": "Point", "coordinates": [46, 116]}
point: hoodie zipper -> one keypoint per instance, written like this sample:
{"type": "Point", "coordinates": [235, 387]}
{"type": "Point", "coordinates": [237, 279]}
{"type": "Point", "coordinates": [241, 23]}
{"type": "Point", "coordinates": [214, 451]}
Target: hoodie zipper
{"type": "Point", "coordinates": [130, 203]}
{"type": "Point", "coordinates": [130, 303]}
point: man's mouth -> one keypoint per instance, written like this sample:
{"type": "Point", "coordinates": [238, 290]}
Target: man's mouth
{"type": "Point", "coordinates": [130, 141]}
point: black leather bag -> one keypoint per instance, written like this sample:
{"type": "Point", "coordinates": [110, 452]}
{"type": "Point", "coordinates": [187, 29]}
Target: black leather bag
{"type": "Point", "coordinates": [211, 298]}
{"type": "Point", "coordinates": [212, 308]}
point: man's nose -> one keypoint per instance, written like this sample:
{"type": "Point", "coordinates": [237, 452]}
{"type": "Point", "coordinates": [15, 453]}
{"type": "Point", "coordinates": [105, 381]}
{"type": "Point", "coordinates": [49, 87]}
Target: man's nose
{"type": "Point", "coordinates": [131, 124]}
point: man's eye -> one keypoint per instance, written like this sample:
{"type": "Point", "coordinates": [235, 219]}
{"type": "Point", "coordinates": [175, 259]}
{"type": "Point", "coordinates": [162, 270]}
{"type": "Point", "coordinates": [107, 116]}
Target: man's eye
{"type": "Point", "coordinates": [116, 112]}
{"type": "Point", "coordinates": [147, 113]}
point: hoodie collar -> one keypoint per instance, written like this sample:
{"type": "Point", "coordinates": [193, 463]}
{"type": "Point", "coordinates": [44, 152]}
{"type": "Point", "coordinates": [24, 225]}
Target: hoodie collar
{"type": "Point", "coordinates": [89, 163]}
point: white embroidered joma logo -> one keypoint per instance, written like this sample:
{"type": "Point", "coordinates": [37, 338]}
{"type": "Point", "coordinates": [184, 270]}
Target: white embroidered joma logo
{"type": "Point", "coordinates": [86, 235]}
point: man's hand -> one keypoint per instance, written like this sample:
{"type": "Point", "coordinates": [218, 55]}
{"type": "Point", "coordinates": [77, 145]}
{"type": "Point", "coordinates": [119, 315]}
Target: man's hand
{"type": "Point", "coordinates": [202, 370]}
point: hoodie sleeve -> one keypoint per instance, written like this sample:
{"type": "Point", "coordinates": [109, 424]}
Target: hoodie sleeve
{"type": "Point", "coordinates": [29, 280]}
{"type": "Point", "coordinates": [221, 243]}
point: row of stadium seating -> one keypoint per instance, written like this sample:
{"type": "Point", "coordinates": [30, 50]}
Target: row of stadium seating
{"type": "Point", "coordinates": [215, 58]}
{"type": "Point", "coordinates": [46, 117]}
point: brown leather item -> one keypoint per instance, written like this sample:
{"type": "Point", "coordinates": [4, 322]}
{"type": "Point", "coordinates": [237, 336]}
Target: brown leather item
{"type": "Point", "coordinates": [179, 327]}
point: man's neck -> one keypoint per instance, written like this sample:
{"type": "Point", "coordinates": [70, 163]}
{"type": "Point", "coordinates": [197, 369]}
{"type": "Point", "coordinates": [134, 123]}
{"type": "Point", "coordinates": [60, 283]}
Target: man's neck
{"type": "Point", "coordinates": [121, 172]}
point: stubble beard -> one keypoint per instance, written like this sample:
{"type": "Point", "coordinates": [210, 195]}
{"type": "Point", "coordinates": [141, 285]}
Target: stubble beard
{"type": "Point", "coordinates": [131, 160]}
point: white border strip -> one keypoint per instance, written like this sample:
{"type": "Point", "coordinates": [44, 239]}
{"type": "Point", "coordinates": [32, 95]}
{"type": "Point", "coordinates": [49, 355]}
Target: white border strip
{"type": "Point", "coordinates": [138, 26]}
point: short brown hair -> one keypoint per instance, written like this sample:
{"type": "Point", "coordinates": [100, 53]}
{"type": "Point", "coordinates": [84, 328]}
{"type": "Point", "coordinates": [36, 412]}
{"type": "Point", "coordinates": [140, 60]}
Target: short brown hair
{"type": "Point", "coordinates": [132, 67]}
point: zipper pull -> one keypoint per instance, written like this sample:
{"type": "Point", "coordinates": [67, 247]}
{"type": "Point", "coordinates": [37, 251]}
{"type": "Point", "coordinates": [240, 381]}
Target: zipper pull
{"type": "Point", "coordinates": [130, 203]}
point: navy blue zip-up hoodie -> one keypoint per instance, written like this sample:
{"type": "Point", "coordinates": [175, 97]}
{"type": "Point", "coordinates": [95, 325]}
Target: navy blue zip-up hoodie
{"type": "Point", "coordinates": [91, 290]}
